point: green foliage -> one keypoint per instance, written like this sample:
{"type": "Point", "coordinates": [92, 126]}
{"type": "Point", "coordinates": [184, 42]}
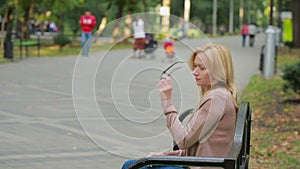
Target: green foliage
{"type": "Point", "coordinates": [61, 40]}
{"type": "Point", "coordinates": [291, 75]}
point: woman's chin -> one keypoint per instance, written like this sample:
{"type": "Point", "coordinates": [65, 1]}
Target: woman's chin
{"type": "Point", "coordinates": [199, 84]}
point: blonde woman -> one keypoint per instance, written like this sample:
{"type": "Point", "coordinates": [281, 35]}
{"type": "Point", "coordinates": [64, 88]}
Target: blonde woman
{"type": "Point", "coordinates": [210, 129]}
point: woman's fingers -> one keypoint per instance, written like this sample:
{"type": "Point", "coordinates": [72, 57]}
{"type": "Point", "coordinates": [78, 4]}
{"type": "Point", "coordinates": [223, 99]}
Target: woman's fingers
{"type": "Point", "coordinates": [164, 84]}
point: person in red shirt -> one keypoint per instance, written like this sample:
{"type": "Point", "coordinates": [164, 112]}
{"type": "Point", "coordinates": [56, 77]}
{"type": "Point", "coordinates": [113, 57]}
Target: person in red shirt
{"type": "Point", "coordinates": [244, 32]}
{"type": "Point", "coordinates": [87, 23]}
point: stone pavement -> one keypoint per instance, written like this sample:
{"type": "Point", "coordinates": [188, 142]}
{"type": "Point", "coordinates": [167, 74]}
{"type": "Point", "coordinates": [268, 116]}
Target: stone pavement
{"type": "Point", "coordinates": [40, 128]}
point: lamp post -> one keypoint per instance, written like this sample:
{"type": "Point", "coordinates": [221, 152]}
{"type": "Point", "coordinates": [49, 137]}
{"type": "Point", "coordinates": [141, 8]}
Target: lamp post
{"type": "Point", "coordinates": [270, 55]}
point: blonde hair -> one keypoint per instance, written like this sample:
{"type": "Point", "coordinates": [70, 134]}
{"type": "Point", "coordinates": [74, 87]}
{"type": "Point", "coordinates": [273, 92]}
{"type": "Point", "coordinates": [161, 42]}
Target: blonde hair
{"type": "Point", "coordinates": [220, 66]}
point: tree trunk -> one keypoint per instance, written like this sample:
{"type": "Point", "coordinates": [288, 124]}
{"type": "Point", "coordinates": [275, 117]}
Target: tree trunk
{"type": "Point", "coordinates": [61, 23]}
{"type": "Point", "coordinates": [214, 21]}
{"type": "Point", "coordinates": [103, 21]}
{"type": "Point", "coordinates": [27, 16]}
{"type": "Point", "coordinates": [8, 45]}
{"type": "Point", "coordinates": [144, 5]}
{"type": "Point", "coordinates": [241, 13]}
{"type": "Point", "coordinates": [296, 23]}
{"type": "Point", "coordinates": [9, 23]}
{"type": "Point", "coordinates": [127, 27]}
{"type": "Point", "coordinates": [231, 17]}
{"type": "Point", "coordinates": [117, 32]}
{"type": "Point", "coordinates": [128, 19]}
{"type": "Point", "coordinates": [279, 6]}
{"type": "Point", "coordinates": [271, 12]}
{"type": "Point", "coordinates": [4, 20]}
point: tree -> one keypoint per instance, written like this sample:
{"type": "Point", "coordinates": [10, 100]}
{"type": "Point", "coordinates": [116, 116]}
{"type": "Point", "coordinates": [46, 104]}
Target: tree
{"type": "Point", "coordinates": [8, 47]}
{"type": "Point", "coordinates": [59, 9]}
{"type": "Point", "coordinates": [103, 20]}
{"type": "Point", "coordinates": [23, 14]}
{"type": "Point", "coordinates": [296, 23]}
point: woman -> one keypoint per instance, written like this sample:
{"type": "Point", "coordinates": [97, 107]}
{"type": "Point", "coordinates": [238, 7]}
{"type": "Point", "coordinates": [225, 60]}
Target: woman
{"type": "Point", "coordinates": [210, 129]}
{"type": "Point", "coordinates": [139, 36]}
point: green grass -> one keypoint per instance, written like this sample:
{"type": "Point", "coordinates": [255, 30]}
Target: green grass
{"type": "Point", "coordinates": [287, 58]}
{"type": "Point", "coordinates": [275, 128]}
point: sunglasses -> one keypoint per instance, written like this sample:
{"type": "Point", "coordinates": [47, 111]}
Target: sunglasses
{"type": "Point", "coordinates": [165, 72]}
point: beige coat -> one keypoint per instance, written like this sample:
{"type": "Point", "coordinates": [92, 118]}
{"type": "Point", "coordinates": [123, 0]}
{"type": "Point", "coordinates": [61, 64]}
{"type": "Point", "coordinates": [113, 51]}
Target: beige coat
{"type": "Point", "coordinates": [210, 130]}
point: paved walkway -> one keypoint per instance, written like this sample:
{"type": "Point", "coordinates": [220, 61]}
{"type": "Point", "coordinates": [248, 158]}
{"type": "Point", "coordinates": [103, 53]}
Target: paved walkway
{"type": "Point", "coordinates": [41, 130]}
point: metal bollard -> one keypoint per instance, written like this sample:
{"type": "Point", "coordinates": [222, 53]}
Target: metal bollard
{"type": "Point", "coordinates": [269, 57]}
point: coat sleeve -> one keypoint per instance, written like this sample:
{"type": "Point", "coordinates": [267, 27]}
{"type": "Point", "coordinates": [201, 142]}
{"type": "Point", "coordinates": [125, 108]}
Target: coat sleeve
{"type": "Point", "coordinates": [201, 124]}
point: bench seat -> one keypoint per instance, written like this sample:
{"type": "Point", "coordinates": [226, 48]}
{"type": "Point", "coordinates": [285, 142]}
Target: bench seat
{"type": "Point", "coordinates": [27, 44]}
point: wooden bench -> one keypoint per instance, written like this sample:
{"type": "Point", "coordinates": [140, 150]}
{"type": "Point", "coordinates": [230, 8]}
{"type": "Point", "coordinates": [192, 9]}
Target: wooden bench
{"type": "Point", "coordinates": [27, 44]}
{"type": "Point", "coordinates": [238, 157]}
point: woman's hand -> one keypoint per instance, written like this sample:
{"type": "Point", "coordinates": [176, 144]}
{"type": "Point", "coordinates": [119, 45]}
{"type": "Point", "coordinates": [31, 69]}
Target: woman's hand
{"type": "Point", "coordinates": [155, 154]}
{"type": "Point", "coordinates": [168, 153]}
{"type": "Point", "coordinates": [165, 88]}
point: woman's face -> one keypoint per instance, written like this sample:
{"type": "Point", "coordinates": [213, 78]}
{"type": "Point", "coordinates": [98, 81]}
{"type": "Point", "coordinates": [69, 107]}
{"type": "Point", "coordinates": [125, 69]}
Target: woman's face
{"type": "Point", "coordinates": [200, 72]}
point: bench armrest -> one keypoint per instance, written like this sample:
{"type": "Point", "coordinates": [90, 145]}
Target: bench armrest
{"type": "Point", "coordinates": [182, 161]}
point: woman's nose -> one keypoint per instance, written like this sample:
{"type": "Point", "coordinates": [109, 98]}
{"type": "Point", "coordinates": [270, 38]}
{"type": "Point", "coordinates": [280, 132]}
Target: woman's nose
{"type": "Point", "coordinates": [195, 72]}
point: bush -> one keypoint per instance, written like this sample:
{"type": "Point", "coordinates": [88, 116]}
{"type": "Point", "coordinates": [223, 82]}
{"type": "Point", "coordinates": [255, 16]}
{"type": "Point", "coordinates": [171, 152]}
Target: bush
{"type": "Point", "coordinates": [291, 75]}
{"type": "Point", "coordinates": [61, 40]}
{"type": "Point", "coordinates": [193, 33]}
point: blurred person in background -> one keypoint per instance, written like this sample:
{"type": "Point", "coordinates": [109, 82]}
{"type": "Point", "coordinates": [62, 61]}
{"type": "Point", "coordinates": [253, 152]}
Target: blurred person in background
{"type": "Point", "coordinates": [87, 23]}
